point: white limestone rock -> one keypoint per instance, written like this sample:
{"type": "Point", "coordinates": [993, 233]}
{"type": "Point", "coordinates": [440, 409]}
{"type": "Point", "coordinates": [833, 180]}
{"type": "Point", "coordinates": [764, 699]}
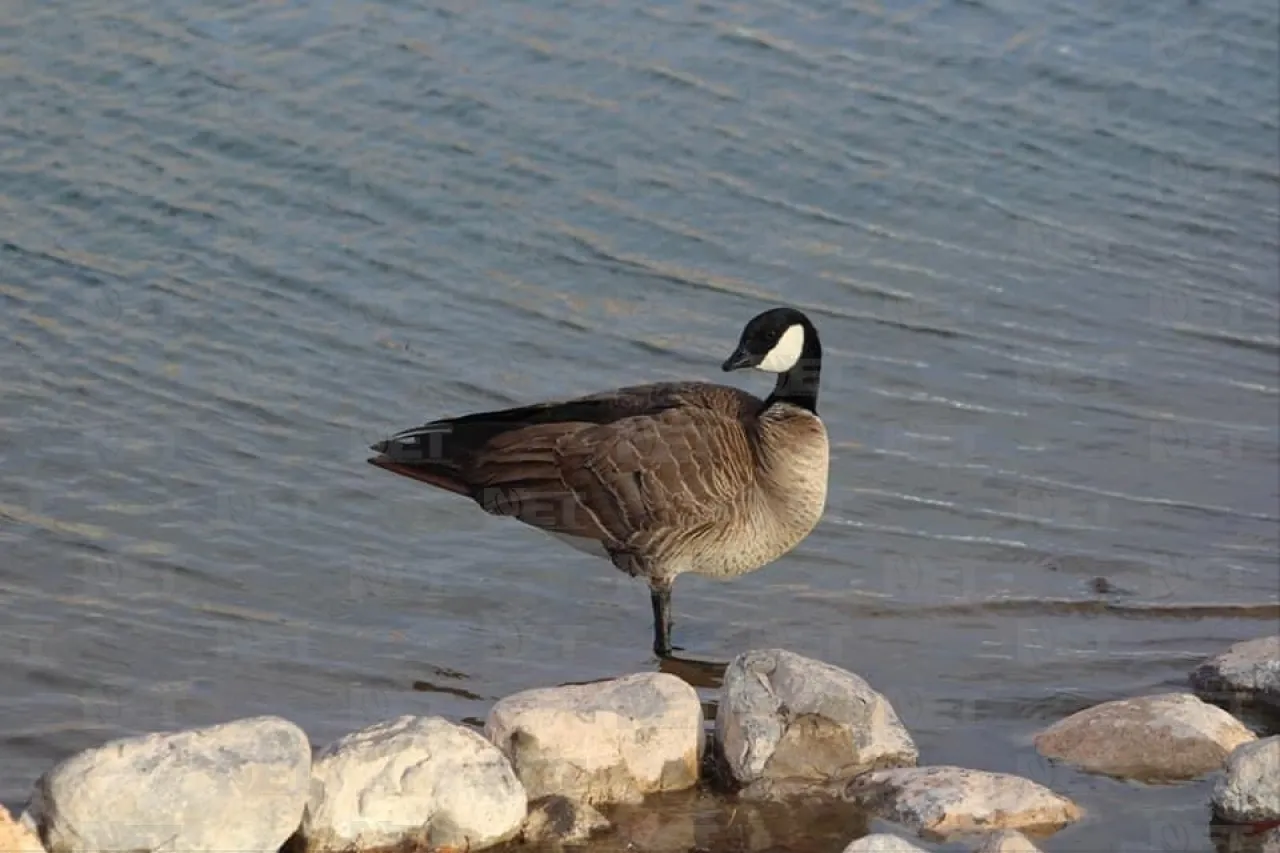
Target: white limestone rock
{"type": "Point", "coordinates": [1165, 737]}
{"type": "Point", "coordinates": [418, 780]}
{"type": "Point", "coordinates": [611, 741]}
{"type": "Point", "coordinates": [237, 786]}
{"type": "Point", "coordinates": [787, 723]}
{"type": "Point", "coordinates": [1249, 792]}
{"type": "Point", "coordinates": [947, 800]}
{"type": "Point", "coordinates": [1249, 670]}
{"type": "Point", "coordinates": [882, 842]}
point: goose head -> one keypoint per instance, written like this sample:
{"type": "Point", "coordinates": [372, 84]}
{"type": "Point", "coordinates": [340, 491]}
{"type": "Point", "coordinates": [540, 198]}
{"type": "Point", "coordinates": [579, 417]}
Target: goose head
{"type": "Point", "coordinates": [774, 341]}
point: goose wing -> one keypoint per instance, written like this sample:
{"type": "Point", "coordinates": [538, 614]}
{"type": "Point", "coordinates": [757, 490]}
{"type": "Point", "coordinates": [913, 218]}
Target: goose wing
{"type": "Point", "coordinates": [676, 464]}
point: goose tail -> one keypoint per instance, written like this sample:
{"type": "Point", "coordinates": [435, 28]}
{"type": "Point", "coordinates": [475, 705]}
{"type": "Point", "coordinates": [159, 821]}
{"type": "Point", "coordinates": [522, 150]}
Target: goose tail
{"type": "Point", "coordinates": [420, 454]}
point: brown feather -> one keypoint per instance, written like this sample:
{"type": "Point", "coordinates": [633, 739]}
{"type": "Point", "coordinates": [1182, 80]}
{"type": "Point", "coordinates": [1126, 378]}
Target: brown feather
{"type": "Point", "coordinates": [615, 467]}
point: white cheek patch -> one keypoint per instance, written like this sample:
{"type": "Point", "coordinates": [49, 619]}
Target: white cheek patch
{"type": "Point", "coordinates": [785, 353]}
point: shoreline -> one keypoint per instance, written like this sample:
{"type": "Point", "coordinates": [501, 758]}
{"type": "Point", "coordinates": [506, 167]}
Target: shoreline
{"type": "Point", "coordinates": [557, 765]}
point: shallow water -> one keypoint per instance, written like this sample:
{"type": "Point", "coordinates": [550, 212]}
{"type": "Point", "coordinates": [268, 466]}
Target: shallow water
{"type": "Point", "coordinates": [241, 241]}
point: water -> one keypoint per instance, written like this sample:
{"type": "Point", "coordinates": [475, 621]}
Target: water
{"type": "Point", "coordinates": [241, 241]}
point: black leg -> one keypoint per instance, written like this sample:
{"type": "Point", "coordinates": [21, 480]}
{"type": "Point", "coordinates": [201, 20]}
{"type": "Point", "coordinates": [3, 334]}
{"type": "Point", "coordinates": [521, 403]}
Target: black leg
{"type": "Point", "coordinates": [660, 596]}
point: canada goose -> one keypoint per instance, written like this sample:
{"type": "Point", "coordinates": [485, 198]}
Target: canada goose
{"type": "Point", "coordinates": [660, 479]}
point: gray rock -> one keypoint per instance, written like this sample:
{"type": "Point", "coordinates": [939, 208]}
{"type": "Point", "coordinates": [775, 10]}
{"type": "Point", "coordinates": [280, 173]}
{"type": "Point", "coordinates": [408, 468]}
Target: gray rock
{"type": "Point", "coordinates": [953, 800]}
{"type": "Point", "coordinates": [1008, 841]}
{"type": "Point", "coordinates": [1270, 842]}
{"type": "Point", "coordinates": [557, 820]}
{"type": "Point", "coordinates": [606, 742]}
{"type": "Point", "coordinates": [1250, 670]}
{"type": "Point", "coordinates": [788, 723]}
{"type": "Point", "coordinates": [882, 842]}
{"type": "Point", "coordinates": [1249, 792]}
{"type": "Point", "coordinates": [237, 786]}
{"type": "Point", "coordinates": [1165, 737]}
{"type": "Point", "coordinates": [412, 780]}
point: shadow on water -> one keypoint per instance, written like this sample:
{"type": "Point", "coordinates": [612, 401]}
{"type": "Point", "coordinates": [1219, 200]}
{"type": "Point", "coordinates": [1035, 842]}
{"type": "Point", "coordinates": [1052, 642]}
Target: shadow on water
{"type": "Point", "coordinates": [699, 674]}
{"type": "Point", "coordinates": [700, 821]}
{"type": "Point", "coordinates": [430, 687]}
{"type": "Point", "coordinates": [1232, 838]}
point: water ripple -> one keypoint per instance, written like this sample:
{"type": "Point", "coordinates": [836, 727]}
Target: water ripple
{"type": "Point", "coordinates": [241, 241]}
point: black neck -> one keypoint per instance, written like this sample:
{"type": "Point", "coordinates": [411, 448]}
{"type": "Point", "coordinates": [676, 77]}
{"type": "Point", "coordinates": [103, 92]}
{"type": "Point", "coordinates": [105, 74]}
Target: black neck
{"type": "Point", "coordinates": [799, 385]}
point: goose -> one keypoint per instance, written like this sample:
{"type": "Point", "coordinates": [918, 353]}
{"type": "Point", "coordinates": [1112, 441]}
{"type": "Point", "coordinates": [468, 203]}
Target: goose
{"type": "Point", "coordinates": [660, 479]}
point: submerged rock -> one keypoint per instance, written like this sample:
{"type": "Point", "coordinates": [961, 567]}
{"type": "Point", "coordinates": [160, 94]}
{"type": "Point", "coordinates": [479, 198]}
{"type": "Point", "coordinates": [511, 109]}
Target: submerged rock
{"type": "Point", "coordinates": [237, 786]}
{"type": "Point", "coordinates": [788, 723]}
{"type": "Point", "coordinates": [1009, 841]}
{"type": "Point", "coordinates": [882, 842]}
{"type": "Point", "coordinates": [1165, 737]}
{"type": "Point", "coordinates": [948, 800]}
{"type": "Point", "coordinates": [1249, 792]}
{"type": "Point", "coordinates": [557, 820]}
{"type": "Point", "coordinates": [1249, 670]}
{"type": "Point", "coordinates": [412, 780]}
{"type": "Point", "coordinates": [611, 741]}
{"type": "Point", "coordinates": [15, 837]}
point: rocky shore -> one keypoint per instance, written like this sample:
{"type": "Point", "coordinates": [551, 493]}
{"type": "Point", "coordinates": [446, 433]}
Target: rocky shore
{"type": "Point", "coordinates": [552, 764]}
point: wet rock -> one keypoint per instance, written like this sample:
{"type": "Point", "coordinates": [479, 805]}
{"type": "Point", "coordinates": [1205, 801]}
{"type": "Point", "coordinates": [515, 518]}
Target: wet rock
{"type": "Point", "coordinates": [1165, 737]}
{"type": "Point", "coordinates": [1249, 792]}
{"type": "Point", "coordinates": [1009, 841]}
{"type": "Point", "coordinates": [558, 820]}
{"type": "Point", "coordinates": [611, 741]}
{"type": "Point", "coordinates": [788, 723]}
{"type": "Point", "coordinates": [882, 842]}
{"type": "Point", "coordinates": [16, 837]}
{"type": "Point", "coordinates": [1249, 670]}
{"type": "Point", "coordinates": [948, 800]}
{"type": "Point", "coordinates": [412, 780]}
{"type": "Point", "coordinates": [236, 786]}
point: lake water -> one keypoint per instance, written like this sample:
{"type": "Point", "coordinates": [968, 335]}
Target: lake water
{"type": "Point", "coordinates": [241, 241]}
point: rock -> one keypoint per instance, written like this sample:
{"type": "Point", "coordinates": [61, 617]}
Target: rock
{"type": "Point", "coordinates": [947, 800]}
{"type": "Point", "coordinates": [787, 722]}
{"type": "Point", "coordinates": [606, 742]}
{"type": "Point", "coordinates": [1249, 792]}
{"type": "Point", "coordinates": [1165, 737]}
{"type": "Point", "coordinates": [1009, 841]}
{"type": "Point", "coordinates": [16, 837]}
{"type": "Point", "coordinates": [1270, 842]}
{"type": "Point", "coordinates": [237, 786]}
{"type": "Point", "coordinates": [1248, 670]}
{"type": "Point", "coordinates": [882, 842]}
{"type": "Point", "coordinates": [558, 820]}
{"type": "Point", "coordinates": [412, 780]}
